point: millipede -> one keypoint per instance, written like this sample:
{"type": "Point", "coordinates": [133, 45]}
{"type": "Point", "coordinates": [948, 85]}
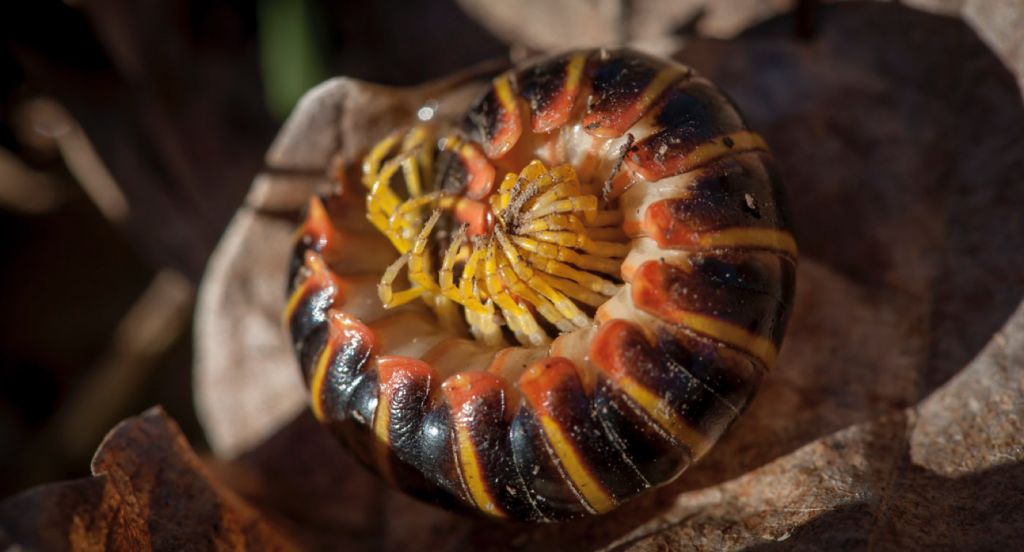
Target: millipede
{"type": "Point", "coordinates": [555, 302]}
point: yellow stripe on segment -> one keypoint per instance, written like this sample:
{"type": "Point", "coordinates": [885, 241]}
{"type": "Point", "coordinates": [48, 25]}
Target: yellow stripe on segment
{"type": "Point", "coordinates": [658, 85]}
{"type": "Point", "coordinates": [503, 91]}
{"type": "Point", "coordinates": [316, 386]}
{"type": "Point", "coordinates": [574, 72]}
{"type": "Point", "coordinates": [381, 420]}
{"type": "Point", "coordinates": [472, 473]}
{"type": "Point", "coordinates": [591, 490]}
{"type": "Point", "coordinates": [315, 263]}
{"type": "Point", "coordinates": [651, 93]}
{"type": "Point", "coordinates": [374, 159]}
{"type": "Point", "coordinates": [727, 333]}
{"type": "Point", "coordinates": [759, 238]}
{"type": "Point", "coordinates": [742, 141]}
{"type": "Point", "coordinates": [293, 302]}
{"type": "Point", "coordinates": [655, 408]}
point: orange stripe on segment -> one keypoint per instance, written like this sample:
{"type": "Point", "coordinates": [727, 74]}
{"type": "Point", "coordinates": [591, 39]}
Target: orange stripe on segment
{"type": "Point", "coordinates": [477, 214]}
{"type": "Point", "coordinates": [662, 224]}
{"type": "Point", "coordinates": [538, 384]}
{"type": "Point", "coordinates": [652, 293]}
{"type": "Point", "coordinates": [653, 166]}
{"type": "Point", "coordinates": [319, 234]}
{"type": "Point", "coordinates": [508, 125]}
{"type": "Point", "coordinates": [611, 351]}
{"type": "Point", "coordinates": [480, 172]}
{"type": "Point", "coordinates": [342, 331]}
{"type": "Point", "coordinates": [613, 125]}
{"type": "Point", "coordinates": [381, 422]}
{"type": "Point", "coordinates": [317, 227]}
{"type": "Point", "coordinates": [320, 278]}
{"type": "Point", "coordinates": [465, 393]}
{"type": "Point", "coordinates": [558, 111]}
{"type": "Point", "coordinates": [398, 371]}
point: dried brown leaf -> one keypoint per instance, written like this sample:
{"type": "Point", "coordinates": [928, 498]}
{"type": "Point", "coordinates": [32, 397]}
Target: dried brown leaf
{"type": "Point", "coordinates": [149, 492]}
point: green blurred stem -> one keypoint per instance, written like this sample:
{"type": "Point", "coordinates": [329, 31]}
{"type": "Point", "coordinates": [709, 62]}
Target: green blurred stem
{"type": "Point", "coordinates": [289, 59]}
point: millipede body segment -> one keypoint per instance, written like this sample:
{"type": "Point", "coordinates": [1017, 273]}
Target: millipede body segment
{"type": "Point", "coordinates": [561, 300]}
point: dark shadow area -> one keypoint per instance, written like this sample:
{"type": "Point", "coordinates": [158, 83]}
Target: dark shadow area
{"type": "Point", "coordinates": [927, 511]}
{"type": "Point", "coordinates": [303, 475]}
{"type": "Point", "coordinates": [172, 97]}
{"type": "Point", "coordinates": [402, 43]}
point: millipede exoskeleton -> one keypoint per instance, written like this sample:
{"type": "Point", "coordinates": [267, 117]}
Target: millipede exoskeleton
{"type": "Point", "coordinates": [564, 298]}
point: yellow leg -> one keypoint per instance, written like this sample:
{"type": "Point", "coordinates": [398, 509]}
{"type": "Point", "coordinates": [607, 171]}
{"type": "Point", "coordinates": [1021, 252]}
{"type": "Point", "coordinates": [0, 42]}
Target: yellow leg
{"type": "Point", "coordinates": [416, 258]}
{"type": "Point", "coordinates": [554, 252]}
{"type": "Point", "coordinates": [562, 270]}
{"type": "Point", "coordinates": [607, 218]}
{"type": "Point", "coordinates": [376, 156]}
{"type": "Point", "coordinates": [419, 261]}
{"type": "Point", "coordinates": [416, 162]}
{"type": "Point", "coordinates": [405, 219]}
{"type": "Point", "coordinates": [519, 319]}
{"type": "Point", "coordinates": [584, 204]}
{"type": "Point", "coordinates": [381, 202]}
{"type": "Point", "coordinates": [522, 269]}
{"type": "Point", "coordinates": [446, 276]}
{"type": "Point", "coordinates": [526, 292]}
{"type": "Point", "coordinates": [388, 297]}
{"type": "Point", "coordinates": [567, 223]}
{"type": "Point", "coordinates": [574, 290]}
{"type": "Point", "coordinates": [385, 199]}
{"type": "Point", "coordinates": [470, 285]}
{"type": "Point", "coordinates": [581, 241]}
{"type": "Point", "coordinates": [514, 185]}
{"type": "Point", "coordinates": [447, 311]}
{"type": "Point", "coordinates": [483, 327]}
{"type": "Point", "coordinates": [541, 257]}
{"type": "Point", "coordinates": [422, 163]}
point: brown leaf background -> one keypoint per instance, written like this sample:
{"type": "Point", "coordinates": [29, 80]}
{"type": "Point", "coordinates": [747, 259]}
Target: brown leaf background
{"type": "Point", "coordinates": [892, 421]}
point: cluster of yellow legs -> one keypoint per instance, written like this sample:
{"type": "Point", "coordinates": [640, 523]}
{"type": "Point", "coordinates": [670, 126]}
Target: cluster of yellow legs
{"type": "Point", "coordinates": [537, 252]}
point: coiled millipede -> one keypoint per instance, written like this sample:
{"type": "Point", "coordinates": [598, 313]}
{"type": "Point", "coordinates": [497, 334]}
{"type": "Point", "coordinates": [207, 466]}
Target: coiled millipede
{"type": "Point", "coordinates": [553, 342]}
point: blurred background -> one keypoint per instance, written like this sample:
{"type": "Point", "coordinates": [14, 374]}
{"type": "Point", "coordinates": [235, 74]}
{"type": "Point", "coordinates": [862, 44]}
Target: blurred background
{"type": "Point", "coordinates": [131, 130]}
{"type": "Point", "coordinates": [129, 133]}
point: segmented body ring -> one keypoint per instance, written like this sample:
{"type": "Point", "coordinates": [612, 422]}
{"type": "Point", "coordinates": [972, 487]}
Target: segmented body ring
{"type": "Point", "coordinates": [561, 300]}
